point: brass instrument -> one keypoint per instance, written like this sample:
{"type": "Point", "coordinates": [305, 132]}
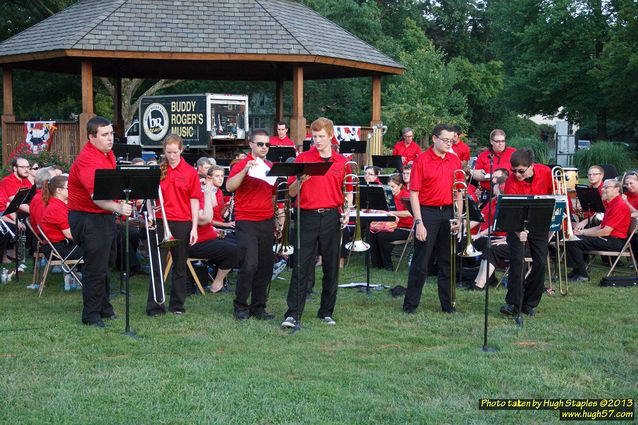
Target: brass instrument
{"type": "Point", "coordinates": [283, 247]}
{"type": "Point", "coordinates": [357, 244]}
{"type": "Point", "coordinates": [21, 239]}
{"type": "Point", "coordinates": [559, 188]}
{"type": "Point", "coordinates": [375, 141]}
{"type": "Point", "coordinates": [6, 230]}
{"type": "Point", "coordinates": [169, 241]}
{"type": "Point", "coordinates": [459, 186]}
{"type": "Point", "coordinates": [153, 224]}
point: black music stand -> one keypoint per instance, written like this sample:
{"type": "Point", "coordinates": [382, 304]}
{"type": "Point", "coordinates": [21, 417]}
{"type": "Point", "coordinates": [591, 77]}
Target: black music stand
{"type": "Point", "coordinates": [126, 182]}
{"type": "Point", "coordinates": [125, 153]}
{"type": "Point", "coordinates": [280, 153]}
{"type": "Point", "coordinates": [517, 214]}
{"type": "Point", "coordinates": [387, 161]}
{"type": "Point", "coordinates": [298, 169]}
{"type": "Point", "coordinates": [24, 195]}
{"type": "Point", "coordinates": [589, 199]}
{"type": "Point", "coordinates": [354, 146]}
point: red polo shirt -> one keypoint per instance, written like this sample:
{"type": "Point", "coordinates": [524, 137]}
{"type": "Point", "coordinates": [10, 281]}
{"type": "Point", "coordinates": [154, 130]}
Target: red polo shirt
{"type": "Point", "coordinates": [541, 183]}
{"type": "Point", "coordinates": [485, 212]}
{"type": "Point", "coordinates": [180, 185]}
{"type": "Point", "coordinates": [462, 150]}
{"type": "Point", "coordinates": [4, 200]}
{"type": "Point", "coordinates": [11, 183]}
{"type": "Point", "coordinates": [36, 210]}
{"type": "Point", "coordinates": [632, 198]}
{"type": "Point", "coordinates": [207, 231]}
{"type": "Point", "coordinates": [82, 178]}
{"type": "Point", "coordinates": [55, 219]}
{"type": "Point", "coordinates": [253, 197]}
{"type": "Point", "coordinates": [432, 176]}
{"type": "Point", "coordinates": [409, 152]}
{"type": "Point", "coordinates": [286, 141]}
{"type": "Point", "coordinates": [322, 191]}
{"type": "Point", "coordinates": [501, 160]}
{"type": "Point", "coordinates": [404, 222]}
{"type": "Point", "coordinates": [217, 211]}
{"type": "Point", "coordinates": [617, 216]}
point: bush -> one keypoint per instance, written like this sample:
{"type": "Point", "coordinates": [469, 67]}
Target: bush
{"type": "Point", "coordinates": [603, 153]}
{"type": "Point", "coordinates": [541, 151]}
{"type": "Point", "coordinates": [44, 158]}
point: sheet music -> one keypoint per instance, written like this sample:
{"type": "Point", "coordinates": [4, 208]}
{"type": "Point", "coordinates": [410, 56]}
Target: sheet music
{"type": "Point", "coordinates": [259, 172]}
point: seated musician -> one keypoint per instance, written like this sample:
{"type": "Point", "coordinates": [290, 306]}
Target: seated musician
{"type": "Point", "coordinates": [219, 252]}
{"type": "Point", "coordinates": [203, 165]}
{"type": "Point", "coordinates": [407, 171]}
{"type": "Point", "coordinates": [631, 199]}
{"type": "Point", "coordinates": [407, 148]}
{"type": "Point", "coordinates": [609, 235]}
{"type": "Point", "coordinates": [222, 207]}
{"type": "Point", "coordinates": [595, 175]}
{"type": "Point", "coordinates": [37, 205]}
{"type": "Point", "coordinates": [55, 224]}
{"type": "Point", "coordinates": [371, 175]}
{"type": "Point", "coordinates": [380, 243]}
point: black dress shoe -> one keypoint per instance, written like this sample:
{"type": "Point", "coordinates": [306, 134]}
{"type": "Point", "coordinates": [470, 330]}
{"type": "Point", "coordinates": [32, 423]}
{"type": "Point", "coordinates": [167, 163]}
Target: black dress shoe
{"type": "Point", "coordinates": [409, 310]}
{"type": "Point", "coordinates": [155, 313]}
{"type": "Point", "coordinates": [97, 324]}
{"type": "Point", "coordinates": [241, 315]}
{"type": "Point", "coordinates": [530, 311]}
{"type": "Point", "coordinates": [263, 315]}
{"type": "Point", "coordinates": [450, 310]}
{"type": "Point", "coordinates": [509, 309]}
{"type": "Point", "coordinates": [111, 317]}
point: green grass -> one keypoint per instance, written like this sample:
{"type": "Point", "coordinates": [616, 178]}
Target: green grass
{"type": "Point", "coordinates": [376, 365]}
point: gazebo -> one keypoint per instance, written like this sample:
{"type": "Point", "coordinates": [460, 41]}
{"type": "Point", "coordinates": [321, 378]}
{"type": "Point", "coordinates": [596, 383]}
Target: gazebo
{"type": "Point", "coordinates": [244, 40]}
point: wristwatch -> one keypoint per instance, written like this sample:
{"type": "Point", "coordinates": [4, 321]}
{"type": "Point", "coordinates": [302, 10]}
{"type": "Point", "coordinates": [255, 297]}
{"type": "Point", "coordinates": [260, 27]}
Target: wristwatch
{"type": "Point", "coordinates": [418, 221]}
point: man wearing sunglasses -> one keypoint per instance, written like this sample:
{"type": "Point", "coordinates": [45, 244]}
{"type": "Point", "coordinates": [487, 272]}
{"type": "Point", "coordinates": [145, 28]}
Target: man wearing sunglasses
{"type": "Point", "coordinates": [500, 153]}
{"type": "Point", "coordinates": [527, 178]}
{"type": "Point", "coordinates": [254, 228]}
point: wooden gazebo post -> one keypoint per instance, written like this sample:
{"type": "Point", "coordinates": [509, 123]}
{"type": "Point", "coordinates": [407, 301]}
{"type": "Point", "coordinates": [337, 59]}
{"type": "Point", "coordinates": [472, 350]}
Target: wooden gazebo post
{"type": "Point", "coordinates": [297, 121]}
{"type": "Point", "coordinates": [87, 101]}
{"type": "Point", "coordinates": [376, 101]}
{"type": "Point", "coordinates": [7, 111]}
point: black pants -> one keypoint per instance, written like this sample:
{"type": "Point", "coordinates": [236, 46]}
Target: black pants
{"type": "Point", "coordinates": [534, 285]}
{"type": "Point", "coordinates": [134, 243]}
{"type": "Point", "coordinates": [381, 247]}
{"type": "Point", "coordinates": [576, 249]}
{"type": "Point", "coordinates": [179, 253]}
{"type": "Point", "coordinates": [255, 239]}
{"type": "Point", "coordinates": [95, 234]}
{"type": "Point", "coordinates": [319, 231]}
{"type": "Point", "coordinates": [220, 252]}
{"type": "Point", "coordinates": [437, 243]}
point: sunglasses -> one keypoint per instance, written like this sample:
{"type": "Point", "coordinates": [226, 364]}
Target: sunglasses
{"type": "Point", "coordinates": [519, 171]}
{"type": "Point", "coordinates": [262, 144]}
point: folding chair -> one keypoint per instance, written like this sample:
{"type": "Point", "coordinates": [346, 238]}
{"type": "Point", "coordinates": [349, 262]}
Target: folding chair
{"type": "Point", "coordinates": [38, 254]}
{"type": "Point", "coordinates": [55, 259]}
{"type": "Point", "coordinates": [626, 250]}
{"type": "Point", "coordinates": [191, 268]}
{"type": "Point", "coordinates": [405, 242]}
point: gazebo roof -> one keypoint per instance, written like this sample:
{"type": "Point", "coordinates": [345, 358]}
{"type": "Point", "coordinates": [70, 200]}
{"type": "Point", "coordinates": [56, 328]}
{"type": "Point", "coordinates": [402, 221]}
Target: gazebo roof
{"type": "Point", "coordinates": [194, 39]}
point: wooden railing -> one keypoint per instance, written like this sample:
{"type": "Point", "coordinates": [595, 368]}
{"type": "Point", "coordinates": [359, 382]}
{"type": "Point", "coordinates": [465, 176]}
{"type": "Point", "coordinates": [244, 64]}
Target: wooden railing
{"type": "Point", "coordinates": [66, 141]}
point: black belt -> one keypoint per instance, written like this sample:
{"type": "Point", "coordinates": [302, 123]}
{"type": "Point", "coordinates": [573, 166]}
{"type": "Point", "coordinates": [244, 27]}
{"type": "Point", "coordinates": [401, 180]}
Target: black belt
{"type": "Point", "coordinates": [320, 210]}
{"type": "Point", "coordinates": [440, 207]}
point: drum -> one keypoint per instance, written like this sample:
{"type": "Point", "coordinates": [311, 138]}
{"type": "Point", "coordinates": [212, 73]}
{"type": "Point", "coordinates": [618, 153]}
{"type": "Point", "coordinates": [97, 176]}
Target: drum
{"type": "Point", "coordinates": [571, 178]}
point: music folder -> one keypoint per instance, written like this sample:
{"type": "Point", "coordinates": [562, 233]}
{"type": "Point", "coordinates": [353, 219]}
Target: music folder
{"type": "Point", "coordinates": [387, 161]}
{"type": "Point", "coordinates": [143, 181]}
{"type": "Point", "coordinates": [281, 153]}
{"type": "Point", "coordinates": [518, 213]}
{"type": "Point", "coordinates": [589, 198]}
{"type": "Point", "coordinates": [300, 168]}
{"type": "Point", "coordinates": [24, 195]}
{"type": "Point", "coordinates": [353, 146]}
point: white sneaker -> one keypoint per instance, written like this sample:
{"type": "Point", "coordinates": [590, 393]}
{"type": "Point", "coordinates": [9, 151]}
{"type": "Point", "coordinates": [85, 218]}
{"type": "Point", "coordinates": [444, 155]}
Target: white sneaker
{"type": "Point", "coordinates": [67, 282]}
{"type": "Point", "coordinates": [328, 320]}
{"type": "Point", "coordinates": [290, 322]}
{"type": "Point", "coordinates": [33, 286]}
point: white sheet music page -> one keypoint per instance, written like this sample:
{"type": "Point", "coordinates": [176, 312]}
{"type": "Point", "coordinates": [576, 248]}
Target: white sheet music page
{"type": "Point", "coordinates": [259, 172]}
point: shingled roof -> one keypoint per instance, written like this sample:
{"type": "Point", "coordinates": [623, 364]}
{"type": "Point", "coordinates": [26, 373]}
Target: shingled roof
{"type": "Point", "coordinates": [153, 38]}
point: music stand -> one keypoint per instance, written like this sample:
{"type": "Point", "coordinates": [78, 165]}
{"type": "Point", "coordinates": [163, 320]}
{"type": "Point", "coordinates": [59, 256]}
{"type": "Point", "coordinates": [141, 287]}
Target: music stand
{"type": "Point", "coordinates": [518, 214]}
{"type": "Point", "coordinates": [353, 146]}
{"type": "Point", "coordinates": [24, 195]}
{"type": "Point", "coordinates": [124, 152]}
{"type": "Point", "coordinates": [138, 182]}
{"type": "Point", "coordinates": [298, 169]}
{"type": "Point", "coordinates": [590, 199]}
{"type": "Point", "coordinates": [281, 153]}
{"type": "Point", "coordinates": [387, 161]}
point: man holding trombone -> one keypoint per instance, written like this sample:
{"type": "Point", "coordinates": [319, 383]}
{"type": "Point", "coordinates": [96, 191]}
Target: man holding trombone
{"type": "Point", "coordinates": [431, 198]}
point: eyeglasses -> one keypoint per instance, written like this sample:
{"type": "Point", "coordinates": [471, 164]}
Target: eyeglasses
{"type": "Point", "coordinates": [28, 167]}
{"type": "Point", "coordinates": [593, 174]}
{"type": "Point", "coordinates": [447, 141]}
{"type": "Point", "coordinates": [519, 171]}
{"type": "Point", "coordinates": [408, 136]}
{"type": "Point", "coordinates": [498, 141]}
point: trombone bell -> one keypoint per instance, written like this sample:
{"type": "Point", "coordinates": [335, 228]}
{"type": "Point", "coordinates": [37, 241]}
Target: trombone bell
{"type": "Point", "coordinates": [358, 246]}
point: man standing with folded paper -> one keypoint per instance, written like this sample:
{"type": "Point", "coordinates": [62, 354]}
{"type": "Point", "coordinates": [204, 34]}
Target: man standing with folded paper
{"type": "Point", "coordinates": [254, 227]}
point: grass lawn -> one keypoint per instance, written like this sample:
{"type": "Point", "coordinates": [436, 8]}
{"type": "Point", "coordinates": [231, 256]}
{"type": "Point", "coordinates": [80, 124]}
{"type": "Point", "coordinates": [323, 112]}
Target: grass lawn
{"type": "Point", "coordinates": [376, 365]}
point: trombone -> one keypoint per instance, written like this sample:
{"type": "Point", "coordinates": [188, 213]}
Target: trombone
{"type": "Point", "coordinates": [565, 234]}
{"type": "Point", "coordinates": [169, 241]}
{"type": "Point", "coordinates": [150, 209]}
{"type": "Point", "coordinates": [459, 186]}
{"type": "Point", "coordinates": [283, 247]}
{"type": "Point", "coordinates": [357, 244]}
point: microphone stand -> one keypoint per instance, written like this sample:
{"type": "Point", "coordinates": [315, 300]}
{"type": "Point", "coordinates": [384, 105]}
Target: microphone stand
{"type": "Point", "coordinates": [486, 348]}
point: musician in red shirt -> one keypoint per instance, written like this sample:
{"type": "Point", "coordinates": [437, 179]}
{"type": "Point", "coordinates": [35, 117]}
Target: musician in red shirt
{"type": "Point", "coordinates": [406, 148]}
{"type": "Point", "coordinates": [282, 139]}
{"type": "Point", "coordinates": [216, 177]}
{"type": "Point", "coordinates": [254, 228]}
{"type": "Point", "coordinates": [431, 200]}
{"type": "Point", "coordinates": [380, 243]}
{"type": "Point", "coordinates": [37, 205]}
{"type": "Point", "coordinates": [92, 222]}
{"type": "Point", "coordinates": [181, 190]}
{"type": "Point", "coordinates": [609, 235]}
{"type": "Point", "coordinates": [596, 177]}
{"type": "Point", "coordinates": [320, 199]}
{"type": "Point", "coordinates": [500, 154]}
{"type": "Point", "coordinates": [631, 194]}
{"type": "Point", "coordinates": [19, 178]}
{"type": "Point", "coordinates": [527, 178]}
{"type": "Point", "coordinates": [460, 148]}
{"type": "Point", "coordinates": [405, 173]}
